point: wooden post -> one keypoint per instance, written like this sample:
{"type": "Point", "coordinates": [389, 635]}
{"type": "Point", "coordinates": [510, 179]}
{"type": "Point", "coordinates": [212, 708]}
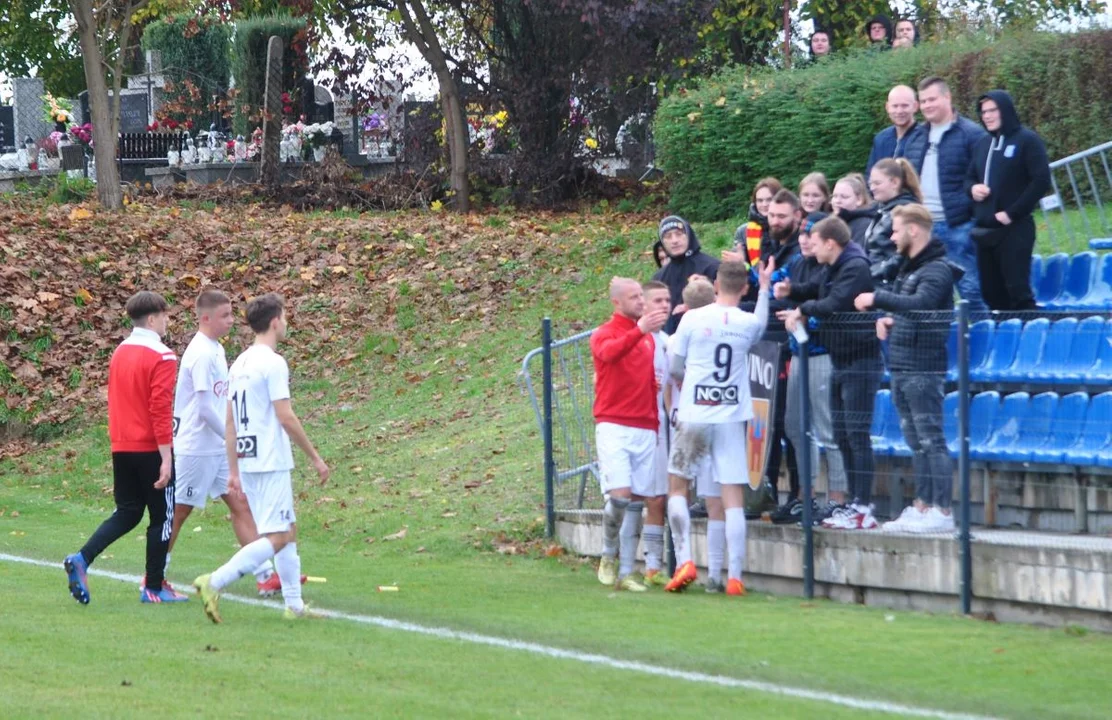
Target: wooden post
{"type": "Point", "coordinates": [272, 113]}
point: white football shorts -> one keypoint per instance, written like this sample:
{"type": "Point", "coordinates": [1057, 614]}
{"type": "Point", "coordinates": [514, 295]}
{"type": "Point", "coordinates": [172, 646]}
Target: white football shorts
{"type": "Point", "coordinates": [198, 478]}
{"type": "Point", "coordinates": [717, 450]}
{"type": "Point", "coordinates": [625, 458]}
{"type": "Point", "coordinates": [270, 497]}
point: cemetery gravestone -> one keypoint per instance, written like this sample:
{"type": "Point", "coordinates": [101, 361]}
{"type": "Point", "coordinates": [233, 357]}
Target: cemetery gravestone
{"type": "Point", "coordinates": [28, 109]}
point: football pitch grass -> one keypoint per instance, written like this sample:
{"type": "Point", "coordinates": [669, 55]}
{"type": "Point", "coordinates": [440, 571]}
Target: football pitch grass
{"type": "Point", "coordinates": [118, 658]}
{"type": "Point", "coordinates": [436, 488]}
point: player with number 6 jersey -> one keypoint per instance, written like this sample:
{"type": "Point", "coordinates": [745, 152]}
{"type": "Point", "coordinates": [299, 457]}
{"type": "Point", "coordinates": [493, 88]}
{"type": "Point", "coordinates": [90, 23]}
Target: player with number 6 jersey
{"type": "Point", "coordinates": [259, 427]}
{"type": "Point", "coordinates": [200, 408]}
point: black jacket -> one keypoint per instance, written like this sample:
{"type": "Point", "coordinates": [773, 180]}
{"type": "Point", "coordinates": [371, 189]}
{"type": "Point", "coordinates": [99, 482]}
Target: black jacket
{"type": "Point", "coordinates": [676, 273]}
{"type": "Point", "coordinates": [955, 151]}
{"type": "Point", "coordinates": [878, 237]}
{"type": "Point", "coordinates": [1013, 163]}
{"type": "Point", "coordinates": [847, 337]}
{"type": "Point", "coordinates": [806, 271]}
{"type": "Point", "coordinates": [917, 342]}
{"type": "Point", "coordinates": [859, 221]}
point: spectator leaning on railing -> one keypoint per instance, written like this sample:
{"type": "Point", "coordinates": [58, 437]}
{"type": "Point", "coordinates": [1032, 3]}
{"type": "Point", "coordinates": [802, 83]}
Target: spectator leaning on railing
{"type": "Point", "coordinates": [1007, 177]}
{"type": "Point", "coordinates": [940, 151]}
{"type": "Point", "coordinates": [804, 270]}
{"type": "Point", "coordinates": [917, 359]}
{"type": "Point", "coordinates": [854, 355]}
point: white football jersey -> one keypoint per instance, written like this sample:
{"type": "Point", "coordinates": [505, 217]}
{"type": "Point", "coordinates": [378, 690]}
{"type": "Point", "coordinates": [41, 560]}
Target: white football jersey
{"type": "Point", "coordinates": [660, 367]}
{"type": "Point", "coordinates": [715, 342]}
{"type": "Point", "coordinates": [257, 379]}
{"type": "Point", "coordinates": [202, 378]}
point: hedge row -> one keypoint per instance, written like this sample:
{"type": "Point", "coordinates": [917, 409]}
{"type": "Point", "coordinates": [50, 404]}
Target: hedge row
{"type": "Point", "coordinates": [717, 138]}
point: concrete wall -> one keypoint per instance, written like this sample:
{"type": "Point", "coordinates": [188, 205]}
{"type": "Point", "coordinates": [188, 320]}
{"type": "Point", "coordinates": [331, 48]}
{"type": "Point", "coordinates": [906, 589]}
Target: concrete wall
{"type": "Point", "coordinates": [1025, 577]}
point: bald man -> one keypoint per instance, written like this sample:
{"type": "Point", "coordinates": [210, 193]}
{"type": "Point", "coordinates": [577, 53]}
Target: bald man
{"type": "Point", "coordinates": [626, 424]}
{"type": "Point", "coordinates": [891, 141]}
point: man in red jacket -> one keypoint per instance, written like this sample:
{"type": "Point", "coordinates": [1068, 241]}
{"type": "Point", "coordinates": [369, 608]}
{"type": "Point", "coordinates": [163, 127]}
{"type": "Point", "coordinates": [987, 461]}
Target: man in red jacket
{"type": "Point", "coordinates": [141, 427]}
{"type": "Point", "coordinates": [627, 423]}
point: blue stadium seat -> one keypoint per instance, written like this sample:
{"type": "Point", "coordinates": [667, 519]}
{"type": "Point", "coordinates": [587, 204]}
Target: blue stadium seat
{"type": "Point", "coordinates": [893, 432]}
{"type": "Point", "coordinates": [1078, 282]}
{"type": "Point", "coordinates": [1029, 353]}
{"type": "Point", "coordinates": [1065, 429]}
{"type": "Point", "coordinates": [952, 352]}
{"type": "Point", "coordinates": [950, 423]}
{"type": "Point", "coordinates": [981, 335]}
{"type": "Point", "coordinates": [1084, 349]}
{"type": "Point", "coordinates": [1093, 445]}
{"type": "Point", "coordinates": [1056, 351]}
{"type": "Point", "coordinates": [1034, 428]}
{"type": "Point", "coordinates": [879, 428]}
{"type": "Point", "coordinates": [1004, 343]}
{"type": "Point", "coordinates": [1036, 270]}
{"type": "Point", "coordinates": [1011, 416]}
{"type": "Point", "coordinates": [1101, 371]}
{"type": "Point", "coordinates": [1053, 278]}
{"type": "Point", "coordinates": [983, 409]}
{"type": "Point", "coordinates": [1100, 296]}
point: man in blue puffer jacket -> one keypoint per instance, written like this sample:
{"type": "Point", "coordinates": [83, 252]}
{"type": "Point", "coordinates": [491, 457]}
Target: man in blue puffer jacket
{"type": "Point", "coordinates": [940, 152]}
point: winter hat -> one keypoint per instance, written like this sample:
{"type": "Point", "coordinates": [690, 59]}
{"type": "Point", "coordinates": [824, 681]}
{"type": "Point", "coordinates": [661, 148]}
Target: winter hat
{"type": "Point", "coordinates": [672, 222]}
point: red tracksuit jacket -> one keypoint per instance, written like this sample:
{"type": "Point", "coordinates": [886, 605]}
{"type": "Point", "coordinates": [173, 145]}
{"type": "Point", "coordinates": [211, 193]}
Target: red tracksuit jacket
{"type": "Point", "coordinates": [141, 378]}
{"type": "Point", "coordinates": [625, 382]}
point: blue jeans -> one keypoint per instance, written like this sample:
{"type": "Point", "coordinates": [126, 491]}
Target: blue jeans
{"type": "Point", "coordinates": [959, 249]}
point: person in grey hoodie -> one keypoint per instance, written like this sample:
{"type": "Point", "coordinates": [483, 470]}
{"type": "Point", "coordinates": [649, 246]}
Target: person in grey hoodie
{"type": "Point", "coordinates": [1008, 175]}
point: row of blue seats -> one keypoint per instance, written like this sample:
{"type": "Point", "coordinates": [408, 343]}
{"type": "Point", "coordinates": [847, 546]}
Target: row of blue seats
{"type": "Point", "coordinates": [1075, 429]}
{"type": "Point", "coordinates": [1068, 350]}
{"type": "Point", "coordinates": [1078, 282]}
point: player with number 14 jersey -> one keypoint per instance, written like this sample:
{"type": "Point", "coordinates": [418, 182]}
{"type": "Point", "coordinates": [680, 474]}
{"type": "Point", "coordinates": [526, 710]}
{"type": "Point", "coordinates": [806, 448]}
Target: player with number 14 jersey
{"type": "Point", "coordinates": [257, 379]}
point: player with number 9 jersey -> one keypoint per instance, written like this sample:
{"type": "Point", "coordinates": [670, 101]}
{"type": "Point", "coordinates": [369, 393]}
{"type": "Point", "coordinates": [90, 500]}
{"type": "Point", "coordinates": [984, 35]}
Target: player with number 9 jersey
{"type": "Point", "coordinates": [258, 378]}
{"type": "Point", "coordinates": [715, 340]}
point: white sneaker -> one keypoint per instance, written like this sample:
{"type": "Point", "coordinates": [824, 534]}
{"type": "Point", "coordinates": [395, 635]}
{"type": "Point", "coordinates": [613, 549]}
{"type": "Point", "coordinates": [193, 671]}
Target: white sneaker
{"type": "Point", "coordinates": [936, 521]}
{"type": "Point", "coordinates": [910, 516]}
{"type": "Point", "coordinates": [865, 519]}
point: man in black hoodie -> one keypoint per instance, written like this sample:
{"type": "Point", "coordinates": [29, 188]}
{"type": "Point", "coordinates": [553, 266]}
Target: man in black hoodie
{"type": "Point", "coordinates": [685, 259]}
{"type": "Point", "coordinates": [1008, 175]}
{"type": "Point", "coordinates": [854, 354]}
{"type": "Point", "coordinates": [879, 31]}
{"type": "Point", "coordinates": [920, 305]}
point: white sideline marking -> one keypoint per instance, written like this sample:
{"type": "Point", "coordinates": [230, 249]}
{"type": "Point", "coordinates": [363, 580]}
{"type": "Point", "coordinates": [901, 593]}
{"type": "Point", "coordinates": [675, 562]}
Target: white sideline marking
{"type": "Point", "coordinates": [562, 654]}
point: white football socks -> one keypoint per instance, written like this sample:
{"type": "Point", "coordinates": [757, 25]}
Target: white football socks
{"type": "Point", "coordinates": [629, 536]}
{"type": "Point", "coordinates": [247, 559]}
{"type": "Point", "coordinates": [654, 546]}
{"type": "Point", "coordinates": [716, 548]}
{"type": "Point", "coordinates": [679, 518]}
{"type": "Point", "coordinates": [735, 540]}
{"type": "Point", "coordinates": [264, 571]}
{"type": "Point", "coordinates": [288, 563]}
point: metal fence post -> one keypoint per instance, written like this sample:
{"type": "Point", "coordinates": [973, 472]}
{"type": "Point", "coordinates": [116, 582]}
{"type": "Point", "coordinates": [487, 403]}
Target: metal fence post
{"type": "Point", "coordinates": [963, 458]}
{"type": "Point", "coordinates": [803, 458]}
{"type": "Point", "coordinates": [549, 460]}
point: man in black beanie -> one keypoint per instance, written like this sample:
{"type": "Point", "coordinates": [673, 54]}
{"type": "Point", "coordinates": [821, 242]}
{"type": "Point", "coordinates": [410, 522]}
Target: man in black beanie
{"type": "Point", "coordinates": [686, 258]}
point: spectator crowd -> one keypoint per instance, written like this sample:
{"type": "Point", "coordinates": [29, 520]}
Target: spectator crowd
{"type": "Point", "coordinates": [850, 274]}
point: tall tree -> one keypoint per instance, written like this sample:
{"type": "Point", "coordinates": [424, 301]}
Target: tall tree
{"type": "Point", "coordinates": [105, 32]}
{"type": "Point", "coordinates": [33, 42]}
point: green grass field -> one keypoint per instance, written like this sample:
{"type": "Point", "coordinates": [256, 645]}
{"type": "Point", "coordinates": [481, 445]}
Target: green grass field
{"type": "Point", "coordinates": [445, 449]}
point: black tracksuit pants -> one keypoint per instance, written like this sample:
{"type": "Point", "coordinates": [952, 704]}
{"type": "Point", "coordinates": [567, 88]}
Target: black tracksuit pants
{"type": "Point", "coordinates": [135, 474]}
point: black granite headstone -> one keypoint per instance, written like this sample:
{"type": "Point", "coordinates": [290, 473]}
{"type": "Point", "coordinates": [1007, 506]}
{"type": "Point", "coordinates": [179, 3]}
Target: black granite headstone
{"type": "Point", "coordinates": [7, 126]}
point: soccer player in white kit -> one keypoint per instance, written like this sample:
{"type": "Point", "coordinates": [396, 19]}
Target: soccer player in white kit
{"type": "Point", "coordinates": [658, 298]}
{"type": "Point", "coordinates": [200, 407]}
{"type": "Point", "coordinates": [259, 426]}
{"type": "Point", "coordinates": [710, 358]}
